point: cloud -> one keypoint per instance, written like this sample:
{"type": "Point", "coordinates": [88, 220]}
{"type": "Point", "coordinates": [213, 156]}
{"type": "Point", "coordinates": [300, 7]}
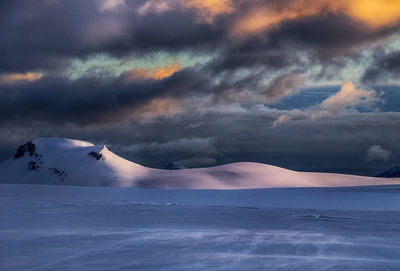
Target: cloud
{"type": "Point", "coordinates": [156, 6]}
{"type": "Point", "coordinates": [189, 151]}
{"type": "Point", "coordinates": [158, 107]}
{"type": "Point", "coordinates": [377, 153]}
{"type": "Point", "coordinates": [283, 86]}
{"type": "Point", "coordinates": [192, 145]}
{"type": "Point", "coordinates": [209, 9]}
{"type": "Point", "coordinates": [349, 98]}
{"type": "Point", "coordinates": [317, 29]}
{"type": "Point", "coordinates": [110, 5]}
{"type": "Point", "coordinates": [269, 15]}
{"type": "Point", "coordinates": [329, 39]}
{"type": "Point", "coordinates": [206, 10]}
{"type": "Point", "coordinates": [260, 18]}
{"type": "Point", "coordinates": [158, 73]}
{"type": "Point", "coordinates": [195, 161]}
{"type": "Point", "coordinates": [278, 37]}
{"type": "Point", "coordinates": [11, 78]}
{"type": "Point", "coordinates": [256, 87]}
{"type": "Point", "coordinates": [95, 101]}
{"type": "Point", "coordinates": [377, 13]}
{"type": "Point", "coordinates": [50, 47]}
{"type": "Point", "coordinates": [286, 117]}
{"type": "Point", "coordinates": [384, 67]}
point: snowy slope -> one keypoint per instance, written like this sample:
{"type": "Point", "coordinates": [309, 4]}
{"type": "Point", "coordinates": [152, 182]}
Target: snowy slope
{"type": "Point", "coordinates": [74, 162]}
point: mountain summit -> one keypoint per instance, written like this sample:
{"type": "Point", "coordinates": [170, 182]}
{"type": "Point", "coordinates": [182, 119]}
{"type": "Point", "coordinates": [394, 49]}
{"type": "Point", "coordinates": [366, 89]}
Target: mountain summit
{"type": "Point", "coordinates": [63, 161]}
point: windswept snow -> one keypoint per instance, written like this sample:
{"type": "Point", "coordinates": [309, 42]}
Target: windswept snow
{"type": "Point", "coordinates": [46, 228]}
{"type": "Point", "coordinates": [75, 162]}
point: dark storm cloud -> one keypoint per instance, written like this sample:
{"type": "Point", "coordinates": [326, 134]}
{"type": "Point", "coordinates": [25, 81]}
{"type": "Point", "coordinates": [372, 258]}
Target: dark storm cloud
{"type": "Point", "coordinates": [174, 31]}
{"type": "Point", "coordinates": [45, 34]}
{"type": "Point", "coordinates": [254, 52]}
{"type": "Point", "coordinates": [99, 101]}
{"type": "Point", "coordinates": [325, 37]}
{"type": "Point", "coordinates": [384, 66]}
{"type": "Point", "coordinates": [282, 86]}
{"type": "Point", "coordinates": [89, 100]}
{"type": "Point", "coordinates": [250, 89]}
{"type": "Point", "coordinates": [330, 34]}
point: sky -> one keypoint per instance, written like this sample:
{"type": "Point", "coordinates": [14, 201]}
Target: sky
{"type": "Point", "coordinates": [302, 84]}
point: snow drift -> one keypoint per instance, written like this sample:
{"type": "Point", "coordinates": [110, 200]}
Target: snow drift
{"type": "Point", "coordinates": [75, 162]}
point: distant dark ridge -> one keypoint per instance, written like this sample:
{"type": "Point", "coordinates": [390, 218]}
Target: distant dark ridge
{"type": "Point", "coordinates": [391, 173]}
{"type": "Point", "coordinates": [174, 166]}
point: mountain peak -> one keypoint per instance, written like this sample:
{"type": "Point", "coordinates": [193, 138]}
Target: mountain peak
{"type": "Point", "coordinates": [28, 147]}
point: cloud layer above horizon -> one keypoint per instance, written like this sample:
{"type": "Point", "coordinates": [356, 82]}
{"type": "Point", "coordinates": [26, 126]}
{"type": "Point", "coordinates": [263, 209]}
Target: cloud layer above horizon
{"type": "Point", "coordinates": [297, 83]}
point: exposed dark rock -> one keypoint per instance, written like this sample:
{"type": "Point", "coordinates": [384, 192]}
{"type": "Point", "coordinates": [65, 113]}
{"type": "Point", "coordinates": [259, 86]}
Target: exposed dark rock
{"type": "Point", "coordinates": [175, 166]}
{"type": "Point", "coordinates": [28, 147]}
{"type": "Point", "coordinates": [33, 165]}
{"type": "Point", "coordinates": [96, 155]}
{"type": "Point", "coordinates": [391, 173]}
{"type": "Point", "coordinates": [59, 172]}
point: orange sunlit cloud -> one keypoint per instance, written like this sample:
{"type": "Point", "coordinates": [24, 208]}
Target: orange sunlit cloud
{"type": "Point", "coordinates": [209, 9]}
{"type": "Point", "coordinates": [158, 73]}
{"type": "Point", "coordinates": [11, 78]}
{"type": "Point", "coordinates": [377, 13]}
{"type": "Point", "coordinates": [374, 13]}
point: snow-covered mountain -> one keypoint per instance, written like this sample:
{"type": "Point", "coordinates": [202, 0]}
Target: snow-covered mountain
{"type": "Point", "coordinates": [75, 162]}
{"type": "Point", "coordinates": [391, 173]}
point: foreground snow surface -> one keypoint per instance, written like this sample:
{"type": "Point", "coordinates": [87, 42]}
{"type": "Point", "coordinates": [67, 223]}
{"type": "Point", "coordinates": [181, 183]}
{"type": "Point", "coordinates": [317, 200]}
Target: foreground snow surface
{"type": "Point", "coordinates": [88, 228]}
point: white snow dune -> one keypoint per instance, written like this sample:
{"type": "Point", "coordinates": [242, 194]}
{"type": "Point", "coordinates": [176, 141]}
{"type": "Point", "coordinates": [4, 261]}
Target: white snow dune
{"type": "Point", "coordinates": [74, 162]}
